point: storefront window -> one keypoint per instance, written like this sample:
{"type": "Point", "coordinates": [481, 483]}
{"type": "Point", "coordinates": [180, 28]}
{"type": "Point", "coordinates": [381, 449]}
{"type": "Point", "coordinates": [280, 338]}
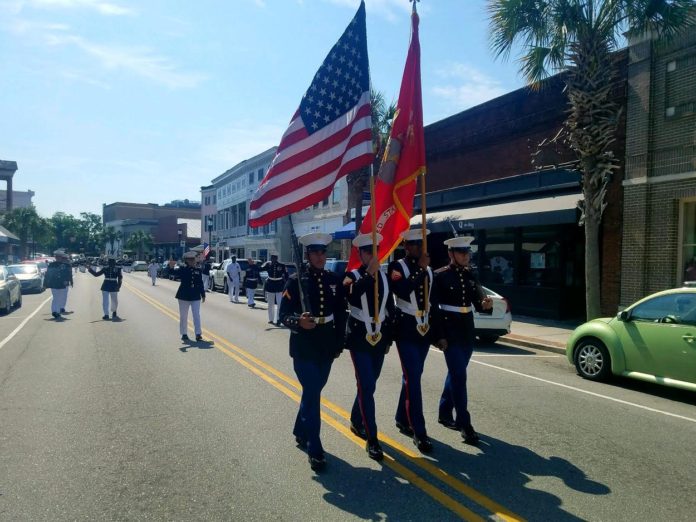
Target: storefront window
{"type": "Point", "coordinates": [540, 260]}
{"type": "Point", "coordinates": [497, 258]}
{"type": "Point", "coordinates": [688, 234]}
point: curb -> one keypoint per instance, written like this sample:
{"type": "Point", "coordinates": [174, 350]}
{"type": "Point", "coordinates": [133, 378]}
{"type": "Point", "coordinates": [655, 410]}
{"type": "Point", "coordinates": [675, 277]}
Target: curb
{"type": "Point", "coordinates": [520, 341]}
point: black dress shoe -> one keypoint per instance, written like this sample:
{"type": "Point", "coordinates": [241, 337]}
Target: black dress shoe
{"type": "Point", "coordinates": [62, 310]}
{"type": "Point", "coordinates": [470, 436]}
{"type": "Point", "coordinates": [406, 430]}
{"type": "Point", "coordinates": [317, 463]}
{"type": "Point", "coordinates": [270, 322]}
{"type": "Point", "coordinates": [114, 315]}
{"type": "Point", "coordinates": [56, 315]}
{"type": "Point", "coordinates": [199, 338]}
{"type": "Point", "coordinates": [448, 423]}
{"type": "Point", "coordinates": [423, 444]}
{"type": "Point", "coordinates": [359, 431]}
{"type": "Point", "coordinates": [302, 443]}
{"type": "Point", "coordinates": [184, 338]}
{"type": "Point", "coordinates": [374, 450]}
{"type": "Point", "coordinates": [279, 323]}
{"type": "Point", "coordinates": [106, 317]}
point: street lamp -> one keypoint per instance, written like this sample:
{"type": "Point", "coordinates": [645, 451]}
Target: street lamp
{"type": "Point", "coordinates": [181, 248]}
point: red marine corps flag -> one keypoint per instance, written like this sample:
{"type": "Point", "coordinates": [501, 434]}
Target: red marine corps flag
{"type": "Point", "coordinates": [403, 162]}
{"type": "Point", "coordinates": [329, 136]}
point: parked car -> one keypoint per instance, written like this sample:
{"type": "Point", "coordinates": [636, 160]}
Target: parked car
{"type": "Point", "coordinates": [220, 275]}
{"type": "Point", "coordinates": [338, 266]}
{"type": "Point", "coordinates": [10, 291]}
{"type": "Point", "coordinates": [489, 327]}
{"type": "Point", "coordinates": [43, 265]}
{"type": "Point", "coordinates": [139, 266]}
{"type": "Point", "coordinates": [653, 340]}
{"type": "Point", "coordinates": [29, 276]}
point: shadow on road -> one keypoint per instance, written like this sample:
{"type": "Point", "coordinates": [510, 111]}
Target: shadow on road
{"type": "Point", "coordinates": [200, 345]}
{"type": "Point", "coordinates": [360, 491]}
{"type": "Point", "coordinates": [498, 349]}
{"type": "Point", "coordinates": [505, 473]}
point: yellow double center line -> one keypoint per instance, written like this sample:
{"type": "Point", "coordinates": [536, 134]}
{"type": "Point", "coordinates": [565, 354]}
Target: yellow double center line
{"type": "Point", "coordinates": [292, 389]}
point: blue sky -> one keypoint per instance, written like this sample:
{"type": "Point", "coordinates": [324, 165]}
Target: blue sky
{"type": "Point", "coordinates": [118, 100]}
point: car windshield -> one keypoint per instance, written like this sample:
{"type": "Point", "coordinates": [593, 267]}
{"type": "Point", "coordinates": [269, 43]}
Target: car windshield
{"type": "Point", "coordinates": [23, 269]}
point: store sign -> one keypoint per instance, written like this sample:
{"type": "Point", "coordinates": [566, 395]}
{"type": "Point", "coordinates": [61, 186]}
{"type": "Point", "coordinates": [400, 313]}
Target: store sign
{"type": "Point", "coordinates": [465, 225]}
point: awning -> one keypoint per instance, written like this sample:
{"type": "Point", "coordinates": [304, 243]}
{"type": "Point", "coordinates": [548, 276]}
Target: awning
{"type": "Point", "coordinates": [543, 211]}
{"type": "Point", "coordinates": [7, 237]}
{"type": "Point", "coordinates": [347, 231]}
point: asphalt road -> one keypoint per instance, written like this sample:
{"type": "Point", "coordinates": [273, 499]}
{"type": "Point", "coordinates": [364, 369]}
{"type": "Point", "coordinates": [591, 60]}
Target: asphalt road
{"type": "Point", "coordinates": [104, 420]}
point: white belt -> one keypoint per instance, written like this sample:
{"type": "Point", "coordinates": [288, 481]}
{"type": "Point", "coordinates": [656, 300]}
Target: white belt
{"type": "Point", "coordinates": [458, 309]}
{"type": "Point", "coordinates": [111, 279]}
{"type": "Point", "coordinates": [356, 313]}
{"type": "Point", "coordinates": [408, 308]}
{"type": "Point", "coordinates": [252, 278]}
{"type": "Point", "coordinates": [323, 320]}
{"type": "Point", "coordinates": [274, 279]}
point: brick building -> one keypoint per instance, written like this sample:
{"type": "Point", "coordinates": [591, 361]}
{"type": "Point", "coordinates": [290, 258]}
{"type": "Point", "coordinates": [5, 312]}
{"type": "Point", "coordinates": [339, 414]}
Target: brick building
{"type": "Point", "coordinates": [481, 181]}
{"type": "Point", "coordinates": [659, 247]}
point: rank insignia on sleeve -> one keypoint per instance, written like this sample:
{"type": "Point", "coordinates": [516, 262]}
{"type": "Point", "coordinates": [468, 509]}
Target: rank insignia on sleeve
{"type": "Point", "coordinates": [286, 295]}
{"type": "Point", "coordinates": [396, 275]}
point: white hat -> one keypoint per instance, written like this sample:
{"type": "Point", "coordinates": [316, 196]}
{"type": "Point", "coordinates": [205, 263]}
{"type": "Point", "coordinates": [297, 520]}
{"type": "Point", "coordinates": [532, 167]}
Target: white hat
{"type": "Point", "coordinates": [272, 253]}
{"type": "Point", "coordinates": [315, 241]}
{"type": "Point", "coordinates": [190, 255]}
{"type": "Point", "coordinates": [460, 242]}
{"type": "Point", "coordinates": [365, 240]}
{"type": "Point", "coordinates": [415, 234]}
{"type": "Point", "coordinates": [60, 253]}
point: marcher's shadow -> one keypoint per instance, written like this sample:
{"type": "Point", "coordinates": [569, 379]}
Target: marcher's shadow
{"type": "Point", "coordinates": [118, 320]}
{"type": "Point", "coordinates": [200, 345]}
{"type": "Point", "coordinates": [53, 320]}
{"type": "Point", "coordinates": [373, 494]}
{"type": "Point", "coordinates": [504, 471]}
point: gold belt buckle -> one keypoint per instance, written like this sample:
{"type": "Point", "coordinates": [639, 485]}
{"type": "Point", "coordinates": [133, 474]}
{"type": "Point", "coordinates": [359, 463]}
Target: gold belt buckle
{"type": "Point", "coordinates": [321, 320]}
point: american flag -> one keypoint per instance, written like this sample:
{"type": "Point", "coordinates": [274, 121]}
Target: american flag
{"type": "Point", "coordinates": [329, 136]}
{"type": "Point", "coordinates": [206, 250]}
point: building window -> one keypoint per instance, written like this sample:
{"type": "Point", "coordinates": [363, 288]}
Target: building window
{"type": "Point", "coordinates": [241, 209]}
{"type": "Point", "coordinates": [259, 175]}
{"type": "Point", "coordinates": [498, 261]}
{"type": "Point", "coordinates": [251, 178]}
{"type": "Point", "coordinates": [688, 242]}
{"type": "Point", "coordinates": [325, 203]}
{"type": "Point", "coordinates": [336, 195]}
{"type": "Point", "coordinates": [215, 200]}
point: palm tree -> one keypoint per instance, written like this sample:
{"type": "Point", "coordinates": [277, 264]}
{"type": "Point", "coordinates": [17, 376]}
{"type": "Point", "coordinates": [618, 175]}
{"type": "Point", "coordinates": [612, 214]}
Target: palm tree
{"type": "Point", "coordinates": [382, 116]}
{"type": "Point", "coordinates": [22, 222]}
{"type": "Point", "coordinates": [110, 237]}
{"type": "Point", "coordinates": [139, 241]}
{"type": "Point", "coordinates": [578, 37]}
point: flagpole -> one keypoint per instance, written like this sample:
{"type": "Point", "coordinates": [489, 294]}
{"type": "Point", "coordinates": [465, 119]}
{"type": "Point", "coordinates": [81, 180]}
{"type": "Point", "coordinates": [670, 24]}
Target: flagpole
{"type": "Point", "coordinates": [373, 217]}
{"type": "Point", "coordinates": [298, 262]}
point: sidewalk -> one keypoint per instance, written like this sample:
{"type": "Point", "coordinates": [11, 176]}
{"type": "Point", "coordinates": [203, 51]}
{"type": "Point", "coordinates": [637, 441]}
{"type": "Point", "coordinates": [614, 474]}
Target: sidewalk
{"type": "Point", "coordinates": [544, 334]}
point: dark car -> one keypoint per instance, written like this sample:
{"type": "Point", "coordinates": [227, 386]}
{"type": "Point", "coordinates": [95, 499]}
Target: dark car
{"type": "Point", "coordinates": [30, 277]}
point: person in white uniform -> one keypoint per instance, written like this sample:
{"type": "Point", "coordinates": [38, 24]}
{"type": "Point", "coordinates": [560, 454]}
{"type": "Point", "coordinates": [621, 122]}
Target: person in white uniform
{"type": "Point", "coordinates": [234, 276]}
{"type": "Point", "coordinates": [152, 271]}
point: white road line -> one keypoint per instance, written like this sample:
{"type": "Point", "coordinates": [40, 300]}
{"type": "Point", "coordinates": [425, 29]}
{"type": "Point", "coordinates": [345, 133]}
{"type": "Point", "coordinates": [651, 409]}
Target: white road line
{"type": "Point", "coordinates": [599, 395]}
{"type": "Point", "coordinates": [21, 325]}
{"type": "Point", "coordinates": [515, 355]}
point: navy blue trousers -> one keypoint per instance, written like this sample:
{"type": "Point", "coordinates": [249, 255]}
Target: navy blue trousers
{"type": "Point", "coordinates": [454, 394]}
{"type": "Point", "coordinates": [409, 411]}
{"type": "Point", "coordinates": [368, 366]}
{"type": "Point", "coordinates": [312, 376]}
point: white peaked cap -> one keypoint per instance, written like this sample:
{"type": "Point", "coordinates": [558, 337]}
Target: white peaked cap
{"type": "Point", "coordinates": [191, 254]}
{"type": "Point", "coordinates": [415, 234]}
{"type": "Point", "coordinates": [363, 240]}
{"type": "Point", "coordinates": [460, 242]}
{"type": "Point", "coordinates": [316, 238]}
{"type": "Point", "coordinates": [60, 252]}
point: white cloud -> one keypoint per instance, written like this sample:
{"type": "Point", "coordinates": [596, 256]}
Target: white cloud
{"type": "Point", "coordinates": [229, 146]}
{"type": "Point", "coordinates": [464, 86]}
{"type": "Point", "coordinates": [140, 61]}
{"type": "Point", "coordinates": [105, 8]}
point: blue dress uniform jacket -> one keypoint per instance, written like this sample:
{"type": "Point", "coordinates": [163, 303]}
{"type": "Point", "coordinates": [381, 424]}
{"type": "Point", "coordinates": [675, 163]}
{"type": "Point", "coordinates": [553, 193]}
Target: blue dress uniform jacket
{"type": "Point", "coordinates": [277, 276]}
{"type": "Point", "coordinates": [324, 298]}
{"type": "Point", "coordinates": [112, 278]}
{"type": "Point", "coordinates": [191, 286]}
{"type": "Point", "coordinates": [357, 330]}
{"type": "Point", "coordinates": [58, 275]}
{"type": "Point", "coordinates": [252, 276]}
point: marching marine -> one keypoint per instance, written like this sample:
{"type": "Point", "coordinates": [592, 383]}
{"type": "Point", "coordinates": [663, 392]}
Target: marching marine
{"type": "Point", "coordinates": [58, 277]}
{"type": "Point", "coordinates": [190, 295]}
{"type": "Point", "coordinates": [457, 291]}
{"type": "Point", "coordinates": [409, 279]}
{"type": "Point", "coordinates": [251, 281]}
{"type": "Point", "coordinates": [313, 307]}
{"type": "Point", "coordinates": [110, 287]}
{"type": "Point", "coordinates": [273, 287]}
{"type": "Point", "coordinates": [367, 340]}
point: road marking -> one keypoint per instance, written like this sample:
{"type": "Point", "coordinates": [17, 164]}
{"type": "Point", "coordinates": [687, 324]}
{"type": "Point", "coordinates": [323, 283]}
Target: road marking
{"type": "Point", "coordinates": [516, 355]}
{"type": "Point", "coordinates": [240, 356]}
{"type": "Point", "coordinates": [587, 392]}
{"type": "Point", "coordinates": [21, 325]}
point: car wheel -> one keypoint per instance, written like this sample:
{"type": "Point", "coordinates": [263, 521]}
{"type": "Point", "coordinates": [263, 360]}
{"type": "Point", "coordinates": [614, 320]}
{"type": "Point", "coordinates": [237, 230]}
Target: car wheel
{"type": "Point", "coordinates": [19, 301]}
{"type": "Point", "coordinates": [8, 305]}
{"type": "Point", "coordinates": [488, 339]}
{"type": "Point", "coordinates": [592, 360]}
{"type": "Point", "coordinates": [225, 288]}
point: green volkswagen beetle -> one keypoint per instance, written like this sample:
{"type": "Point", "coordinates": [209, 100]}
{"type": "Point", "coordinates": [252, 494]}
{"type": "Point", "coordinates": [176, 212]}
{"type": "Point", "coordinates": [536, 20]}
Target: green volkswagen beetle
{"type": "Point", "coordinates": [653, 340]}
